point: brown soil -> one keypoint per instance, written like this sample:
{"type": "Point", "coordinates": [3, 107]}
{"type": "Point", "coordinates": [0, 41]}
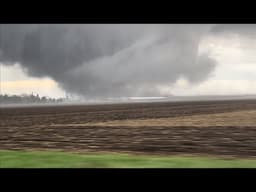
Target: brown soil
{"type": "Point", "coordinates": [159, 128]}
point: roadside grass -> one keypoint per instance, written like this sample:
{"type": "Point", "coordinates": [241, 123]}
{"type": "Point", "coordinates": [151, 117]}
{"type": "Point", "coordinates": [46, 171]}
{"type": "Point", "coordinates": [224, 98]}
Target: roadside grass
{"type": "Point", "coordinates": [43, 159]}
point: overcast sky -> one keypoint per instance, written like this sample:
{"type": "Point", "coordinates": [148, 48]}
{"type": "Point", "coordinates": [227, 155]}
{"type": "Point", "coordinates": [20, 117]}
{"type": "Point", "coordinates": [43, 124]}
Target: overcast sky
{"type": "Point", "coordinates": [128, 60]}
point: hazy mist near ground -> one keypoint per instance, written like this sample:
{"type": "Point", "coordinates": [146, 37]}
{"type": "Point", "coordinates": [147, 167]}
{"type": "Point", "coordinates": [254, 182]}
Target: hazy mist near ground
{"type": "Point", "coordinates": [63, 101]}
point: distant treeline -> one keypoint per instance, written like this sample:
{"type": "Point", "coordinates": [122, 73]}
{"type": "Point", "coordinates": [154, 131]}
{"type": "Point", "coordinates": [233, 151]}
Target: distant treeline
{"type": "Point", "coordinates": [27, 99]}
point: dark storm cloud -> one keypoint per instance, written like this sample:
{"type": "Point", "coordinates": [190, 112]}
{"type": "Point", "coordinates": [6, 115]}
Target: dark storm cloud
{"type": "Point", "coordinates": [108, 60]}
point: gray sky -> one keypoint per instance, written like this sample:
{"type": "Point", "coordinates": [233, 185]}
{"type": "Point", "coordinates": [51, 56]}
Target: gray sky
{"type": "Point", "coordinates": [128, 60]}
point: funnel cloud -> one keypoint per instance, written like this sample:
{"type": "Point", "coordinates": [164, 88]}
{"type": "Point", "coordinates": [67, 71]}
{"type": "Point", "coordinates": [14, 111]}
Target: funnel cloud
{"type": "Point", "coordinates": [108, 60]}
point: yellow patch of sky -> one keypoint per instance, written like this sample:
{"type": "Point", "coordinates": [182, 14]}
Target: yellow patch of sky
{"type": "Point", "coordinates": [14, 80]}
